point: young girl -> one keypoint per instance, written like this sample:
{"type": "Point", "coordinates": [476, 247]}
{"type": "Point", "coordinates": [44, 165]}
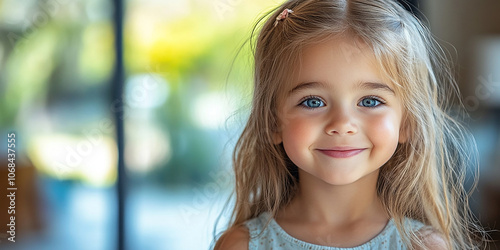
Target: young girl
{"type": "Point", "coordinates": [349, 145]}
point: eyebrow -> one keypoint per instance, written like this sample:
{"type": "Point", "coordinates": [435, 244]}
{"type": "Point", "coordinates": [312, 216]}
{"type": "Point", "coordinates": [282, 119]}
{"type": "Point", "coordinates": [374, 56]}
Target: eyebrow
{"type": "Point", "coordinates": [307, 85]}
{"type": "Point", "coordinates": [376, 86]}
{"type": "Point", "coordinates": [362, 85]}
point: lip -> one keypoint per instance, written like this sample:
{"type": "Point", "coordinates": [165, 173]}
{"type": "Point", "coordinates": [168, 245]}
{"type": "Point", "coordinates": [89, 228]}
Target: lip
{"type": "Point", "coordinates": [341, 152]}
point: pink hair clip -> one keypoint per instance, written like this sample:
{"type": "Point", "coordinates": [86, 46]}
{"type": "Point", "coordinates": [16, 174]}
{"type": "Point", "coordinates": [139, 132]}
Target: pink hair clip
{"type": "Point", "coordinates": [282, 16]}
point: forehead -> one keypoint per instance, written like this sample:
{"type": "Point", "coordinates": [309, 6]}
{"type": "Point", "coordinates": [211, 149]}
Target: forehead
{"type": "Point", "coordinates": [338, 59]}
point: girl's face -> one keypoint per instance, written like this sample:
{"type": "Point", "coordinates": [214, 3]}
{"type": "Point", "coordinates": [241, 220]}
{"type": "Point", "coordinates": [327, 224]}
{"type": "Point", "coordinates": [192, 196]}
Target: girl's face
{"type": "Point", "coordinates": [341, 119]}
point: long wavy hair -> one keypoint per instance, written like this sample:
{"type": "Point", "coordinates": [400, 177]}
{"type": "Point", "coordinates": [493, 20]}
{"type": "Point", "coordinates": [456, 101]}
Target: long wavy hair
{"type": "Point", "coordinates": [424, 178]}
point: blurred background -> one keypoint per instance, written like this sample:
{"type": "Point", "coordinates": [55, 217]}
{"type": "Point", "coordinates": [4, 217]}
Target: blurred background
{"type": "Point", "coordinates": [187, 88]}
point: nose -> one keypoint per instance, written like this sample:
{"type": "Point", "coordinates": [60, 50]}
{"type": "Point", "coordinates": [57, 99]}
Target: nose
{"type": "Point", "coordinates": [341, 122]}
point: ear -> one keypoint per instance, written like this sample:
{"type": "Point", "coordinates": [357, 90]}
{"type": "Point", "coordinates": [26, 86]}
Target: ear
{"type": "Point", "coordinates": [276, 131]}
{"type": "Point", "coordinates": [277, 138]}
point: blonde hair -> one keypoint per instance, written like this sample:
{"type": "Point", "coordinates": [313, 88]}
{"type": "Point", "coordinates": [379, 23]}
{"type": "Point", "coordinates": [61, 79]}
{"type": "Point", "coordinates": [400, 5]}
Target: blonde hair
{"type": "Point", "coordinates": [424, 178]}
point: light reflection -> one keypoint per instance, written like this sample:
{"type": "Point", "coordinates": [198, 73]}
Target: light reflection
{"type": "Point", "coordinates": [211, 110]}
{"type": "Point", "coordinates": [146, 91]}
{"type": "Point", "coordinates": [63, 156]}
{"type": "Point", "coordinates": [149, 147]}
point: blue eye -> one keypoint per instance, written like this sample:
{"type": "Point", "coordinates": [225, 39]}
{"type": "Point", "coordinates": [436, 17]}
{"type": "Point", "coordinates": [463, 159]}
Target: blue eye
{"type": "Point", "coordinates": [370, 102]}
{"type": "Point", "coordinates": [312, 102]}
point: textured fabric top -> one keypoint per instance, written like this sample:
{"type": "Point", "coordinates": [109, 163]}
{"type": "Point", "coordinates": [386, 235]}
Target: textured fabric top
{"type": "Point", "coordinates": [274, 237]}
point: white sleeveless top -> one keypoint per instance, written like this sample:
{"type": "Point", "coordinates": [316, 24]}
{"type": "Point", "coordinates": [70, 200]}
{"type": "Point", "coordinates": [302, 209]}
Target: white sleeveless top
{"type": "Point", "coordinates": [274, 237]}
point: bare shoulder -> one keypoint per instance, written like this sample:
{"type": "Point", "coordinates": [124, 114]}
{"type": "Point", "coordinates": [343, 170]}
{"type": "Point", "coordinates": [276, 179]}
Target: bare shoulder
{"type": "Point", "coordinates": [233, 239]}
{"type": "Point", "coordinates": [432, 239]}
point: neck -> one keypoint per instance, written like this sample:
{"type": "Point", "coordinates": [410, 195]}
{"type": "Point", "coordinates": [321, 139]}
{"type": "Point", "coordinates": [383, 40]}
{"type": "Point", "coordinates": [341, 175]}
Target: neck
{"type": "Point", "coordinates": [337, 204]}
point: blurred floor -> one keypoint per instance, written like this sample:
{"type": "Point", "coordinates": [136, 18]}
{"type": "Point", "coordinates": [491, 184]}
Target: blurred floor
{"type": "Point", "coordinates": [82, 217]}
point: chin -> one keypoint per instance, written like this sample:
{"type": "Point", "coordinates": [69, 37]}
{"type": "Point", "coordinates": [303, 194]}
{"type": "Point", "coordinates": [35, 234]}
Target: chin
{"type": "Point", "coordinates": [341, 181]}
{"type": "Point", "coordinates": [347, 179]}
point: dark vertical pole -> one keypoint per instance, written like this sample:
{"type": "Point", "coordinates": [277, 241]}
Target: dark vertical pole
{"type": "Point", "coordinates": [118, 78]}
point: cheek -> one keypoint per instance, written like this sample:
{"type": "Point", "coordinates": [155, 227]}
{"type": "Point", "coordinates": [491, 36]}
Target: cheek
{"type": "Point", "coordinates": [384, 130]}
{"type": "Point", "coordinates": [295, 129]}
{"type": "Point", "coordinates": [298, 134]}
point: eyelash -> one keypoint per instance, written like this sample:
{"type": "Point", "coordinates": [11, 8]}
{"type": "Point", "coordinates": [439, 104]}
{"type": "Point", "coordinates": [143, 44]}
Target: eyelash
{"type": "Point", "coordinates": [382, 101]}
{"type": "Point", "coordinates": [301, 102]}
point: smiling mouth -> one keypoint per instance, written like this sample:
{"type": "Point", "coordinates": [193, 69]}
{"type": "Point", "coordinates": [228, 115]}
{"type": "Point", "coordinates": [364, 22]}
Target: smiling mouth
{"type": "Point", "coordinates": [340, 153]}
